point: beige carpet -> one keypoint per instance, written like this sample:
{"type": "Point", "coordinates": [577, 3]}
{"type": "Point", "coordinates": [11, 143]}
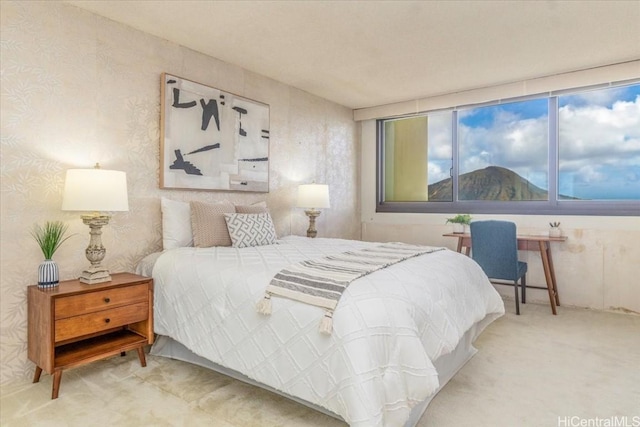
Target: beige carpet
{"type": "Point", "coordinates": [531, 370]}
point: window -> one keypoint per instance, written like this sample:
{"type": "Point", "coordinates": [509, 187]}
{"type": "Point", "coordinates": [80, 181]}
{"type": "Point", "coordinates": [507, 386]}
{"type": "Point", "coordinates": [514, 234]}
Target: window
{"type": "Point", "coordinates": [574, 153]}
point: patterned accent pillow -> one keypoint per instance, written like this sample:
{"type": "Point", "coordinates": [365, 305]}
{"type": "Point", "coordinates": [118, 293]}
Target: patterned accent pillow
{"type": "Point", "coordinates": [251, 229]}
{"type": "Point", "coordinates": [208, 224]}
{"type": "Point", "coordinates": [260, 207]}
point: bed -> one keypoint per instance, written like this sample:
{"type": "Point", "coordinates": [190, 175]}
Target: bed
{"type": "Point", "coordinates": [399, 333]}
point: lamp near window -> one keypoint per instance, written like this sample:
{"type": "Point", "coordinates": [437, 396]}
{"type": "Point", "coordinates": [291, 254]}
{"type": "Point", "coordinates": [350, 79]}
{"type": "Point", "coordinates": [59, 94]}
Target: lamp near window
{"type": "Point", "coordinates": [96, 191]}
{"type": "Point", "coordinates": [313, 197]}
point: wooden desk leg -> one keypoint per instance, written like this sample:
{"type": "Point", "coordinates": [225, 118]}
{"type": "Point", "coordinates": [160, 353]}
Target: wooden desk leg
{"type": "Point", "coordinates": [459, 244]}
{"type": "Point", "coordinates": [553, 275]}
{"type": "Point", "coordinates": [36, 375]}
{"type": "Point", "coordinates": [57, 376]}
{"type": "Point", "coordinates": [143, 360]}
{"type": "Point", "coordinates": [547, 275]}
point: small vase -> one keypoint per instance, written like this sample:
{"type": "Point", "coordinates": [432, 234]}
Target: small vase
{"type": "Point", "coordinates": [555, 232]}
{"type": "Point", "coordinates": [48, 276]}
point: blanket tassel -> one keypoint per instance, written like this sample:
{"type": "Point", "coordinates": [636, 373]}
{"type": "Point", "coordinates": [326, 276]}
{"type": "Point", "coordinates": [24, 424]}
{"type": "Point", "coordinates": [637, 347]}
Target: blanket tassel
{"type": "Point", "coordinates": [326, 325]}
{"type": "Point", "coordinates": [264, 305]}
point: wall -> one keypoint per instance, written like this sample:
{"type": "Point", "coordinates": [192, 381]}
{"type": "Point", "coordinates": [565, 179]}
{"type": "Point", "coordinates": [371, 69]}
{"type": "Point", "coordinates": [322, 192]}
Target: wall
{"type": "Point", "coordinates": [597, 267]}
{"type": "Point", "coordinates": [79, 89]}
{"type": "Point", "coordinates": [600, 77]}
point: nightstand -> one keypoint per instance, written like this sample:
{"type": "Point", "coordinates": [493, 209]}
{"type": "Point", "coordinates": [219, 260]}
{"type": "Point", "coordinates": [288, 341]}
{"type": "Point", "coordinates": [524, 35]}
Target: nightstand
{"type": "Point", "coordinates": [75, 323]}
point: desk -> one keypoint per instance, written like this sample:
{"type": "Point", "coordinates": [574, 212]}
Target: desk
{"type": "Point", "coordinates": [540, 244]}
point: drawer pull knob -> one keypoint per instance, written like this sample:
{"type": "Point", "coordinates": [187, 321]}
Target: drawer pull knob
{"type": "Point", "coordinates": [107, 300]}
{"type": "Point", "coordinates": [107, 320]}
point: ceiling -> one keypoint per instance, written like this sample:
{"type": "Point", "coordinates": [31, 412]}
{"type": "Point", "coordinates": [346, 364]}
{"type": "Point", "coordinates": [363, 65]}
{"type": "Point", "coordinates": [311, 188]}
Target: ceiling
{"type": "Point", "coordinates": [370, 53]}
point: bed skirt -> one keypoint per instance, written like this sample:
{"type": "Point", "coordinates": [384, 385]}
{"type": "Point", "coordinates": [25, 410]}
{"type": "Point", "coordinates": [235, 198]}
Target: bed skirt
{"type": "Point", "coordinates": [447, 366]}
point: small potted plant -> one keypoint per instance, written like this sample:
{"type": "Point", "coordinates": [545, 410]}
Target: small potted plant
{"type": "Point", "coordinates": [554, 229]}
{"type": "Point", "coordinates": [49, 237]}
{"type": "Point", "coordinates": [459, 222]}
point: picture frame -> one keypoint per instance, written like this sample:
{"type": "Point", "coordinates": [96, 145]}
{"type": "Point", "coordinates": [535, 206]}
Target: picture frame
{"type": "Point", "coordinates": [211, 139]}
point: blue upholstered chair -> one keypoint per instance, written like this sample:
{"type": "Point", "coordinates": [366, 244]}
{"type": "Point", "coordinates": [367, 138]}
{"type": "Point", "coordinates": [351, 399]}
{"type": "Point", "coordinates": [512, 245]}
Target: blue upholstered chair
{"type": "Point", "coordinates": [494, 246]}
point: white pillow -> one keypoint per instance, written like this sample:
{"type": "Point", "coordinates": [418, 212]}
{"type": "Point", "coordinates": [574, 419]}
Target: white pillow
{"type": "Point", "coordinates": [250, 229]}
{"type": "Point", "coordinates": [176, 224]}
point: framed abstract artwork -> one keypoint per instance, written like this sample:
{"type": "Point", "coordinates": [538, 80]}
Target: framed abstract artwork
{"type": "Point", "coordinates": [211, 139]}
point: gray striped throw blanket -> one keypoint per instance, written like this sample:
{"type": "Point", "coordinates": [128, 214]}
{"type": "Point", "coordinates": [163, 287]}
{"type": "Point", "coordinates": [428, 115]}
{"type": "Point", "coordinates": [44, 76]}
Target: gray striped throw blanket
{"type": "Point", "coordinates": [322, 281]}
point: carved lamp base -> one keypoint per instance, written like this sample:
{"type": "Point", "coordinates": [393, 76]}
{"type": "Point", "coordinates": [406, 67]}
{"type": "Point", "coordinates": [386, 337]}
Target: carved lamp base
{"type": "Point", "coordinates": [95, 252]}
{"type": "Point", "coordinates": [312, 214]}
{"type": "Point", "coordinates": [92, 276]}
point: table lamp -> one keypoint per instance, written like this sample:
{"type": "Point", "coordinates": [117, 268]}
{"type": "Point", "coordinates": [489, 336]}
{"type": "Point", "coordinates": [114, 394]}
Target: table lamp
{"type": "Point", "coordinates": [313, 197]}
{"type": "Point", "coordinates": [97, 191]}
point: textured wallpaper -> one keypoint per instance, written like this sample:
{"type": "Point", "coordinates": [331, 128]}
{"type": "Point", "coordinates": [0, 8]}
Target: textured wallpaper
{"type": "Point", "coordinates": [78, 89]}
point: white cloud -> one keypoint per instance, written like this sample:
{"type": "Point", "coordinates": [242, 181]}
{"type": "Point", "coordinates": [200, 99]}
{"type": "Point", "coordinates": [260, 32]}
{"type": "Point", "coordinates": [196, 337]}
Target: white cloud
{"type": "Point", "coordinates": [437, 172]}
{"type": "Point", "coordinates": [440, 129]}
{"type": "Point", "coordinates": [589, 173]}
{"type": "Point", "coordinates": [519, 145]}
{"type": "Point", "coordinates": [595, 136]}
{"type": "Point", "coordinates": [601, 98]}
{"type": "Point", "coordinates": [597, 143]}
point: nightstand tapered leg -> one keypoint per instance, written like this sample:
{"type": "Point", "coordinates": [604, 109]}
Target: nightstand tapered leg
{"type": "Point", "coordinates": [36, 375]}
{"type": "Point", "coordinates": [143, 360]}
{"type": "Point", "coordinates": [57, 376]}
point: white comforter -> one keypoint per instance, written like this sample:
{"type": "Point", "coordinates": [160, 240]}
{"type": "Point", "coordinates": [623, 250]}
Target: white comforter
{"type": "Point", "coordinates": [388, 326]}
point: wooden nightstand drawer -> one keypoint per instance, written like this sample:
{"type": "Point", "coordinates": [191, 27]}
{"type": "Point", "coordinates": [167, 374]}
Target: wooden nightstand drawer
{"type": "Point", "coordinates": [95, 301]}
{"type": "Point", "coordinates": [78, 326]}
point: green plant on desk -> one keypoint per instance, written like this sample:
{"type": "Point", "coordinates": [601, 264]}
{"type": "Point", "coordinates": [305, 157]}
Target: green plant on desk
{"type": "Point", "coordinates": [464, 219]}
{"type": "Point", "coordinates": [459, 222]}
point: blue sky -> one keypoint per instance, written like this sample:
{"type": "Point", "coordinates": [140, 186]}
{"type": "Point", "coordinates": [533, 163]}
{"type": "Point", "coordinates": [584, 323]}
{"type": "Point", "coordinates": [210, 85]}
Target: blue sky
{"type": "Point", "coordinates": [604, 98]}
{"type": "Point", "coordinates": [486, 116]}
{"type": "Point", "coordinates": [599, 145]}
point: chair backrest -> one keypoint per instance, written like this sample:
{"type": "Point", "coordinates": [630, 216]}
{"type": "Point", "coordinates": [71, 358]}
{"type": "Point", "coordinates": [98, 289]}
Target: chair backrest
{"type": "Point", "coordinates": [494, 246]}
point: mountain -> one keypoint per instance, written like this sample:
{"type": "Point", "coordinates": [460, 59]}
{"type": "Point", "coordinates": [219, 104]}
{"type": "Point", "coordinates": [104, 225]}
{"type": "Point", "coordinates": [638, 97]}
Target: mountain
{"type": "Point", "coordinates": [491, 183]}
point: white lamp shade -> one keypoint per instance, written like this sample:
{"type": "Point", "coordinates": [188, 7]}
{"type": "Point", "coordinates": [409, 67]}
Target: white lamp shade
{"type": "Point", "coordinates": [95, 190]}
{"type": "Point", "coordinates": [313, 196]}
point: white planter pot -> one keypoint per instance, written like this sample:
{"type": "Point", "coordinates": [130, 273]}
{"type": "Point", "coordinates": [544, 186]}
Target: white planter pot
{"type": "Point", "coordinates": [48, 276]}
{"type": "Point", "coordinates": [458, 228]}
{"type": "Point", "coordinates": [555, 232]}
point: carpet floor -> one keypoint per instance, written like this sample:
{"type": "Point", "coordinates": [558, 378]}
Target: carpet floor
{"type": "Point", "coordinates": [579, 367]}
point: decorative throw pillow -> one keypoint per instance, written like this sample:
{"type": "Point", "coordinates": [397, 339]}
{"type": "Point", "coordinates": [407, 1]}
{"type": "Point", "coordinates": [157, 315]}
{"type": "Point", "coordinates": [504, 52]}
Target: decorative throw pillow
{"type": "Point", "coordinates": [176, 224]}
{"type": "Point", "coordinates": [208, 224]}
{"type": "Point", "coordinates": [251, 229]}
{"type": "Point", "coordinates": [260, 207]}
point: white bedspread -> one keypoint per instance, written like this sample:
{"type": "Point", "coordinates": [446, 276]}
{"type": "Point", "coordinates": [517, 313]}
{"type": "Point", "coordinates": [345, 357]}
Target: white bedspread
{"type": "Point", "coordinates": [388, 326]}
